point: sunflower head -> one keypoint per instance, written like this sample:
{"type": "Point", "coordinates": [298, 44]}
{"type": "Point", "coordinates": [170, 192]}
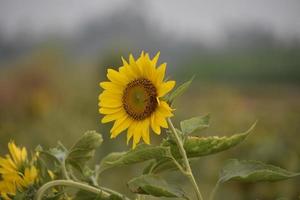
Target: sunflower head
{"type": "Point", "coordinates": [16, 172]}
{"type": "Point", "coordinates": [132, 98]}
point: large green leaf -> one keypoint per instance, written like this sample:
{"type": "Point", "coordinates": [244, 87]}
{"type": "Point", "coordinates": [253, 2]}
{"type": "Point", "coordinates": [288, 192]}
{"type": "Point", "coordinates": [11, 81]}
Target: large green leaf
{"type": "Point", "coordinates": [155, 186]}
{"type": "Point", "coordinates": [202, 146]}
{"type": "Point", "coordinates": [140, 154]}
{"type": "Point", "coordinates": [253, 171]}
{"type": "Point", "coordinates": [179, 90]}
{"type": "Point", "coordinates": [195, 147]}
{"type": "Point", "coordinates": [194, 124]}
{"type": "Point", "coordinates": [84, 149]}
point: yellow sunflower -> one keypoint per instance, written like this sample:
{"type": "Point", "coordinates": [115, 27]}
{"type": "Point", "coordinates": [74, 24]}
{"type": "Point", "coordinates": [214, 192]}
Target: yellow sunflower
{"type": "Point", "coordinates": [132, 98]}
{"type": "Point", "coordinates": [16, 172]}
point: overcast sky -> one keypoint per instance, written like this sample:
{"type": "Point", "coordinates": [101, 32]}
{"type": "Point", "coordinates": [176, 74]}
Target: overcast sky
{"type": "Point", "coordinates": [193, 18]}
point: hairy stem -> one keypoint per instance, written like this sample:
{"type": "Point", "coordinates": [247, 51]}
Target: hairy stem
{"type": "Point", "coordinates": [187, 166]}
{"type": "Point", "coordinates": [64, 170]}
{"type": "Point", "coordinates": [214, 191]}
{"type": "Point", "coordinates": [40, 193]}
{"type": "Point", "coordinates": [178, 165]}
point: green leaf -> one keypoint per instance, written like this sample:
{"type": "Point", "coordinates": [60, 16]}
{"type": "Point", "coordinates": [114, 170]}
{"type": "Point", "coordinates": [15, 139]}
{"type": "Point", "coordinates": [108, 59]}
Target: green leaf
{"type": "Point", "coordinates": [59, 152]}
{"type": "Point", "coordinates": [160, 165]}
{"type": "Point", "coordinates": [203, 146]}
{"type": "Point", "coordinates": [165, 165]}
{"type": "Point", "coordinates": [253, 171]}
{"type": "Point", "coordinates": [84, 149]}
{"type": "Point", "coordinates": [54, 156]}
{"type": "Point", "coordinates": [140, 154]}
{"type": "Point", "coordinates": [155, 186]}
{"type": "Point", "coordinates": [194, 124]}
{"type": "Point", "coordinates": [49, 160]}
{"type": "Point", "coordinates": [179, 90]}
{"type": "Point", "coordinates": [148, 169]}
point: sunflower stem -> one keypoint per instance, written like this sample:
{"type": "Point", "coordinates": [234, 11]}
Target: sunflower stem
{"type": "Point", "coordinates": [187, 166]}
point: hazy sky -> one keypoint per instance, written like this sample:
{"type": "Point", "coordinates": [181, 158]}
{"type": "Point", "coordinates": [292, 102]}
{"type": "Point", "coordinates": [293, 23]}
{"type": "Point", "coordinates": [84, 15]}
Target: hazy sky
{"type": "Point", "coordinates": [192, 18]}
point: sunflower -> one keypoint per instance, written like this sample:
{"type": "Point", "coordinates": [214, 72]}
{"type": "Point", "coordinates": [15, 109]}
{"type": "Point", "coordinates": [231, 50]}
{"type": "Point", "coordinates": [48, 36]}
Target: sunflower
{"type": "Point", "coordinates": [16, 172]}
{"type": "Point", "coordinates": [133, 98]}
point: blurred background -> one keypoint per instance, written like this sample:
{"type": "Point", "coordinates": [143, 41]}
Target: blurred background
{"type": "Point", "coordinates": [245, 55]}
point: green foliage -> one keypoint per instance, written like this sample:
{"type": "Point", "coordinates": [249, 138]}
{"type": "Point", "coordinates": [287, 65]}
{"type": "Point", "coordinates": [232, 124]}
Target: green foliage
{"type": "Point", "coordinates": [202, 146]}
{"type": "Point", "coordinates": [50, 160]}
{"type": "Point", "coordinates": [78, 155]}
{"type": "Point", "coordinates": [161, 165]}
{"type": "Point", "coordinates": [84, 149]}
{"type": "Point", "coordinates": [59, 152]}
{"type": "Point", "coordinates": [27, 194]}
{"type": "Point", "coordinates": [140, 154]}
{"type": "Point", "coordinates": [194, 124]}
{"type": "Point", "coordinates": [179, 90]}
{"type": "Point", "coordinates": [155, 186]}
{"type": "Point", "coordinates": [253, 171]}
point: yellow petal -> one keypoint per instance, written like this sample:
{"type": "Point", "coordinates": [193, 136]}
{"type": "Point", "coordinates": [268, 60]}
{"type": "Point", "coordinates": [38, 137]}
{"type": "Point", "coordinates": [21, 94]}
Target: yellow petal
{"type": "Point", "coordinates": [161, 120]}
{"type": "Point", "coordinates": [6, 164]}
{"type": "Point", "coordinates": [155, 127]}
{"type": "Point", "coordinates": [137, 134]}
{"type": "Point", "coordinates": [109, 95]}
{"type": "Point", "coordinates": [30, 175]}
{"type": "Point", "coordinates": [145, 131]}
{"type": "Point", "coordinates": [125, 63]}
{"type": "Point", "coordinates": [16, 153]}
{"type": "Point", "coordinates": [110, 103]}
{"type": "Point", "coordinates": [127, 71]}
{"type": "Point", "coordinates": [135, 68]}
{"type": "Point", "coordinates": [120, 126]}
{"type": "Point", "coordinates": [166, 87]}
{"type": "Point", "coordinates": [130, 131]}
{"type": "Point", "coordinates": [164, 109]}
{"type": "Point", "coordinates": [155, 59]}
{"type": "Point", "coordinates": [149, 69]}
{"type": "Point", "coordinates": [112, 117]}
{"type": "Point", "coordinates": [112, 87]}
{"type": "Point", "coordinates": [105, 110]}
{"type": "Point", "coordinates": [160, 73]}
{"type": "Point", "coordinates": [116, 77]}
{"type": "Point", "coordinates": [23, 154]}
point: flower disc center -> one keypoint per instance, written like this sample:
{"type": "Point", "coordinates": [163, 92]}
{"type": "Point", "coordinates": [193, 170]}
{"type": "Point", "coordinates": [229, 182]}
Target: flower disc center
{"type": "Point", "coordinates": [139, 99]}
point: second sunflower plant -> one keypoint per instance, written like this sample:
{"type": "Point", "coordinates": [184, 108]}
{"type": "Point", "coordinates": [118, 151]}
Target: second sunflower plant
{"type": "Point", "coordinates": [139, 100]}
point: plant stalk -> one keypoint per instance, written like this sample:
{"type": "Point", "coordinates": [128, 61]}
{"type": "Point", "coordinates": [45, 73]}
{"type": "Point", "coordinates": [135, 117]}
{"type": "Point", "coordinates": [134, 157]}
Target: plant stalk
{"type": "Point", "coordinates": [40, 193]}
{"type": "Point", "coordinates": [64, 170]}
{"type": "Point", "coordinates": [214, 191]}
{"type": "Point", "coordinates": [187, 166]}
